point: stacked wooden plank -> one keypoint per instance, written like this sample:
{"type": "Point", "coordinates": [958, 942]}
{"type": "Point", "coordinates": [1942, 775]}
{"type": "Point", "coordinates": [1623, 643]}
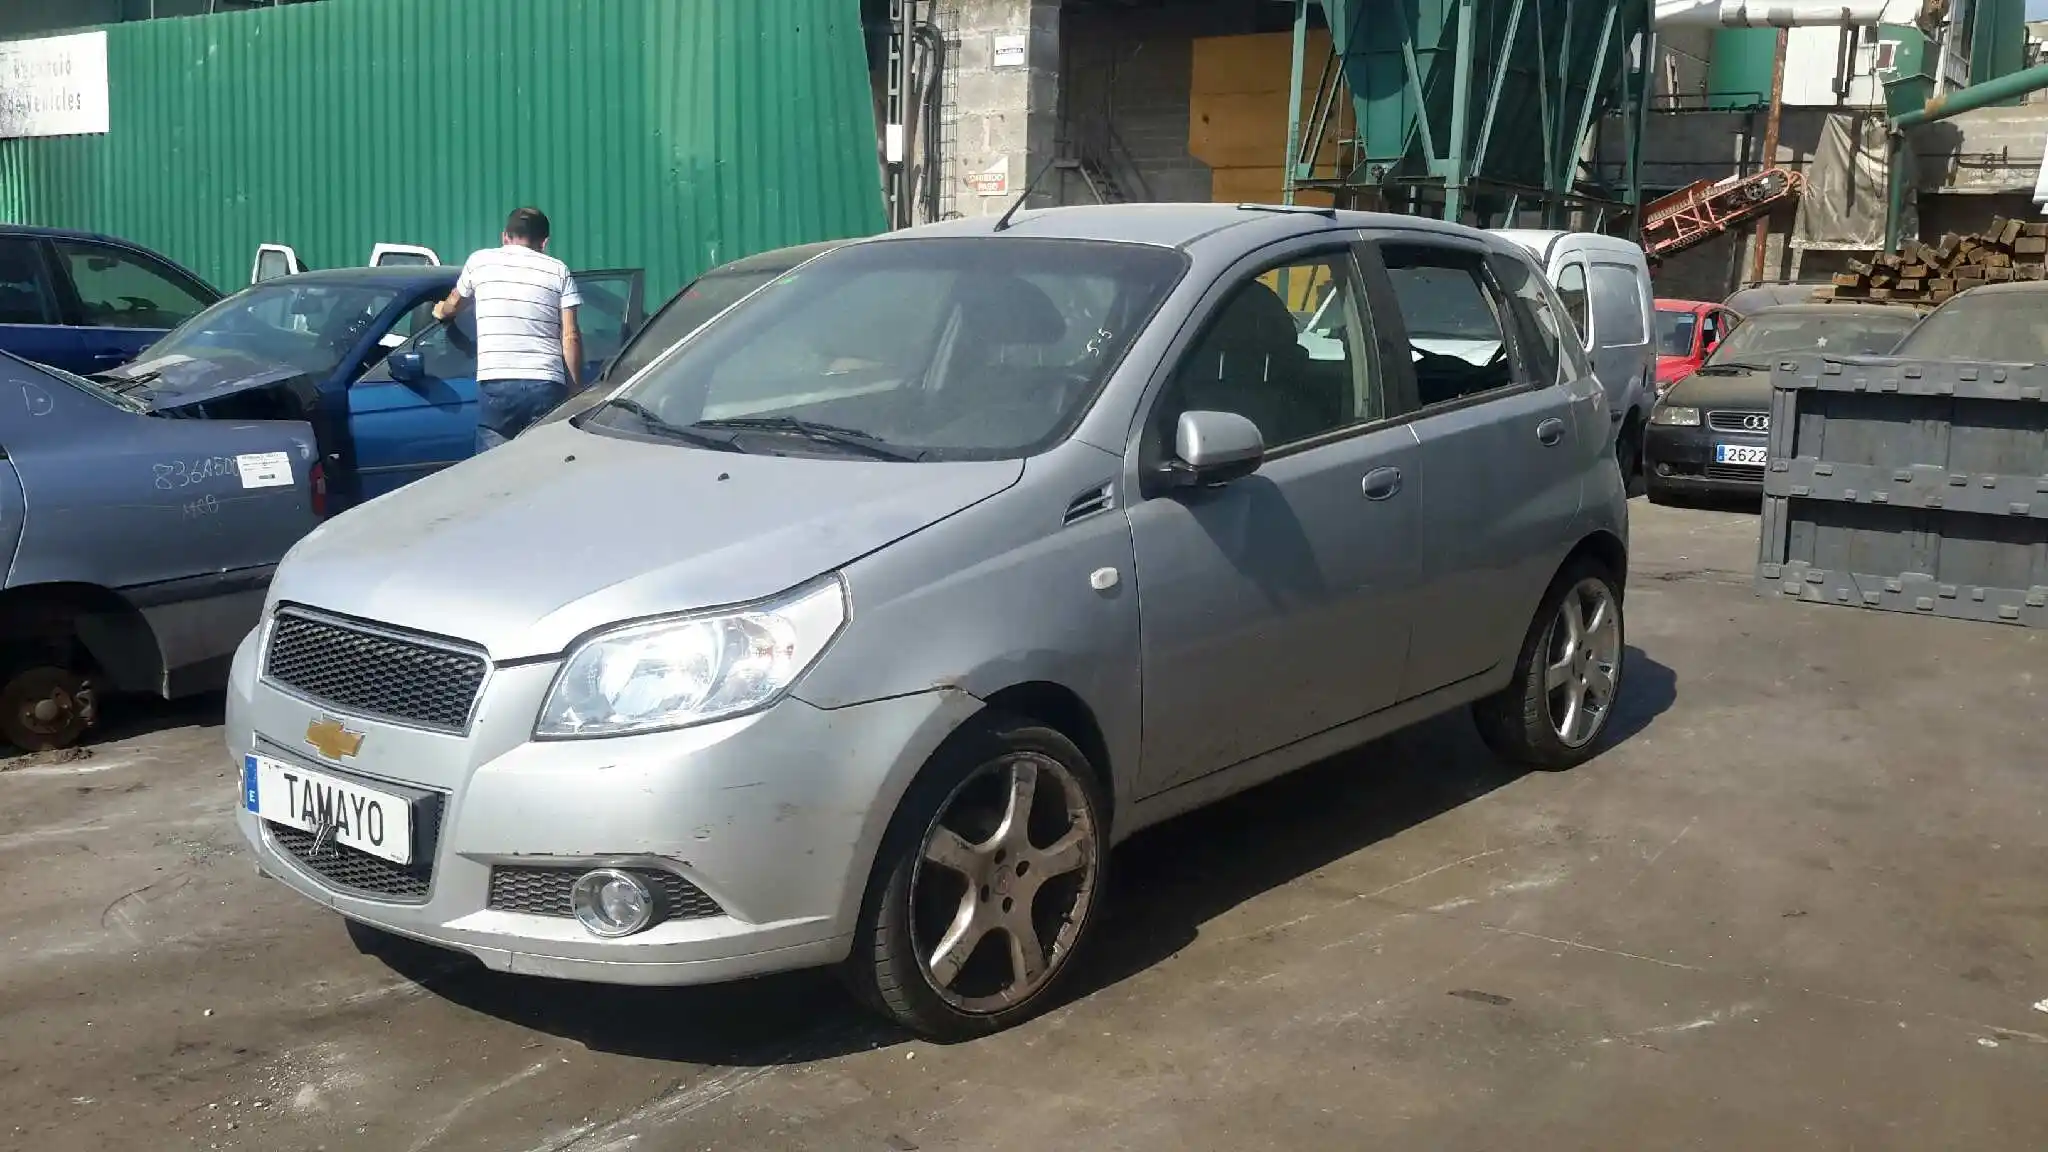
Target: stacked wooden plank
{"type": "Point", "coordinates": [1922, 273]}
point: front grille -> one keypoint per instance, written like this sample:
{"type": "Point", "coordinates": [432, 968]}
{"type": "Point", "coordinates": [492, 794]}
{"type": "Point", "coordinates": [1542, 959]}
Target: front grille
{"type": "Point", "coordinates": [373, 674]}
{"type": "Point", "coordinates": [362, 874]}
{"type": "Point", "coordinates": [545, 892]}
{"type": "Point", "coordinates": [1741, 423]}
{"type": "Point", "coordinates": [1741, 472]}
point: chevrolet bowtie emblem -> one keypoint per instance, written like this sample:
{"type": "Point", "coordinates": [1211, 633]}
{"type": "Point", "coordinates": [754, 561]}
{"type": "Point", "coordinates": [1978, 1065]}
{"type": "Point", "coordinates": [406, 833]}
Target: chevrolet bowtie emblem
{"type": "Point", "coordinates": [330, 739]}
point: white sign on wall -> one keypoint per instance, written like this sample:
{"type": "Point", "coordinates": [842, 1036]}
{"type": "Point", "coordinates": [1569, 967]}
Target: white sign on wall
{"type": "Point", "coordinates": [56, 86]}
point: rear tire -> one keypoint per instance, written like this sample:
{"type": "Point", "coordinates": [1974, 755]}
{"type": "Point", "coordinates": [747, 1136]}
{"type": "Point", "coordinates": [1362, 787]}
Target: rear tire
{"type": "Point", "coordinates": [44, 708]}
{"type": "Point", "coordinates": [1628, 453]}
{"type": "Point", "coordinates": [1567, 676]}
{"type": "Point", "coordinates": [987, 883]}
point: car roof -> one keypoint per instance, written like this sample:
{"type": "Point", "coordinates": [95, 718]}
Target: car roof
{"type": "Point", "coordinates": [1183, 225]}
{"type": "Point", "coordinates": [65, 234]}
{"type": "Point", "coordinates": [2006, 288]}
{"type": "Point", "coordinates": [1544, 241]}
{"type": "Point", "coordinates": [397, 275]}
{"type": "Point", "coordinates": [780, 259]}
{"type": "Point", "coordinates": [1905, 311]}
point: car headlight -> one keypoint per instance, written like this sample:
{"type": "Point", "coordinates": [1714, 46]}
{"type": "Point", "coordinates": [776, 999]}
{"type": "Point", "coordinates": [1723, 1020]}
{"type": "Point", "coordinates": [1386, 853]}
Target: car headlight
{"type": "Point", "coordinates": [1681, 417]}
{"type": "Point", "coordinates": [671, 673]}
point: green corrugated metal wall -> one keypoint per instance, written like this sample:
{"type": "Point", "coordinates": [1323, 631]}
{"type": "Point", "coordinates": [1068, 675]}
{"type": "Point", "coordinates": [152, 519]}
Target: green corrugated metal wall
{"type": "Point", "coordinates": [666, 134]}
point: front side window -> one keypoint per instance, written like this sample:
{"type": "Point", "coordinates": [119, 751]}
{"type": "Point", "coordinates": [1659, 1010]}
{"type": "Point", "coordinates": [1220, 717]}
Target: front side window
{"type": "Point", "coordinates": [955, 348]}
{"type": "Point", "coordinates": [1675, 331]}
{"type": "Point", "coordinates": [309, 326]}
{"type": "Point", "coordinates": [1289, 349]}
{"type": "Point", "coordinates": [1618, 306]}
{"type": "Point", "coordinates": [119, 289]}
{"type": "Point", "coordinates": [1453, 318]}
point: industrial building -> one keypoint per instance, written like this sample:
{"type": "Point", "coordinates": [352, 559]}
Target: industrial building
{"type": "Point", "coordinates": [1534, 112]}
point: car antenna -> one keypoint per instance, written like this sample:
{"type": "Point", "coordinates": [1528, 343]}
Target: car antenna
{"type": "Point", "coordinates": [1003, 221]}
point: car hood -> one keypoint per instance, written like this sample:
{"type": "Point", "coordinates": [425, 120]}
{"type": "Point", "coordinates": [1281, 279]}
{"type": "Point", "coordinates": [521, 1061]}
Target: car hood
{"type": "Point", "coordinates": [562, 531]}
{"type": "Point", "coordinates": [1724, 388]}
{"type": "Point", "coordinates": [1671, 368]}
{"type": "Point", "coordinates": [173, 381]}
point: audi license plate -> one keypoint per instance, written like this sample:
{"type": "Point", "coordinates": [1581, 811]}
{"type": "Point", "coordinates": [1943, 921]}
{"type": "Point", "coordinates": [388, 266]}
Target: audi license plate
{"type": "Point", "coordinates": [1746, 455]}
{"type": "Point", "coordinates": [350, 814]}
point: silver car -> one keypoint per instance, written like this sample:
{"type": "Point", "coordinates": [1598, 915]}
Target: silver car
{"type": "Point", "coordinates": [858, 627]}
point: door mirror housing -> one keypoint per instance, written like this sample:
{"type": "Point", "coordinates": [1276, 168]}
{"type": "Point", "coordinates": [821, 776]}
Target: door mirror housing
{"type": "Point", "coordinates": [1213, 448]}
{"type": "Point", "coordinates": [407, 366]}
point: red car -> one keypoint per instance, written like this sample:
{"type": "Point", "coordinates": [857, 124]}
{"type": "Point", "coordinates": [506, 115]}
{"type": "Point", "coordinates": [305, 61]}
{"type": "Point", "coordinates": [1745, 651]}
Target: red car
{"type": "Point", "coordinates": [1687, 330]}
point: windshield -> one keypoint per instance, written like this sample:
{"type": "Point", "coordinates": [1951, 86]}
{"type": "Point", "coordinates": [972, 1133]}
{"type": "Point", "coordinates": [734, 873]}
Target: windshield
{"type": "Point", "coordinates": [309, 326]}
{"type": "Point", "coordinates": [954, 348]}
{"type": "Point", "coordinates": [2006, 326]}
{"type": "Point", "coordinates": [1674, 332]}
{"type": "Point", "coordinates": [1765, 334]}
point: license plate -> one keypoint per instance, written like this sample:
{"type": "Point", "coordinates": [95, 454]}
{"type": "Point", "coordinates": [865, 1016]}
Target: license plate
{"type": "Point", "coordinates": [361, 818]}
{"type": "Point", "coordinates": [1748, 455]}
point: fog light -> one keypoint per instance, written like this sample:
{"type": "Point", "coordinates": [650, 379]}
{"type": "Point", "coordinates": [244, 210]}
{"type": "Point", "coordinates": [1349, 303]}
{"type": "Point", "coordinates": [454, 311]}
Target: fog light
{"type": "Point", "coordinates": [609, 902]}
{"type": "Point", "coordinates": [1663, 469]}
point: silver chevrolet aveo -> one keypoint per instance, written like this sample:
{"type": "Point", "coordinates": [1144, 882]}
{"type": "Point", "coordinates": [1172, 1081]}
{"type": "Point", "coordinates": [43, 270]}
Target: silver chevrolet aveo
{"type": "Point", "coordinates": [855, 629]}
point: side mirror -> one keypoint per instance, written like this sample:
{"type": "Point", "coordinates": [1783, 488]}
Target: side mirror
{"type": "Point", "coordinates": [1215, 448]}
{"type": "Point", "coordinates": [407, 367]}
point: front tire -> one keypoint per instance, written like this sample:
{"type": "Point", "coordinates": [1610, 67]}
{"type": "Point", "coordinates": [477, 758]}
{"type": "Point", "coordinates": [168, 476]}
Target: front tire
{"type": "Point", "coordinates": [1567, 678]}
{"type": "Point", "coordinates": [986, 885]}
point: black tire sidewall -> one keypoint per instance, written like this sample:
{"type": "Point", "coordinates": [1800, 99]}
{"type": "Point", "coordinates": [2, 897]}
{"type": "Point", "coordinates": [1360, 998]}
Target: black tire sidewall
{"type": "Point", "coordinates": [1516, 723]}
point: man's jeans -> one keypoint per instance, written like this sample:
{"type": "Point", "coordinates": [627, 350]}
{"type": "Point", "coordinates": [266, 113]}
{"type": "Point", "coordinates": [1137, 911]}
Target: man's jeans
{"type": "Point", "coordinates": [505, 407]}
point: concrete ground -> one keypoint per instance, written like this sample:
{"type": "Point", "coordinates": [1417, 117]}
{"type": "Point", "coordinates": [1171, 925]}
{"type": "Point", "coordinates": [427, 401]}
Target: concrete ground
{"type": "Point", "coordinates": [1801, 902]}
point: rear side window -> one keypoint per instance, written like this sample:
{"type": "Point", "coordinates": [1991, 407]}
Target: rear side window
{"type": "Point", "coordinates": [1546, 336]}
{"type": "Point", "coordinates": [1453, 319]}
{"type": "Point", "coordinates": [25, 296]}
{"type": "Point", "coordinates": [1618, 306]}
{"type": "Point", "coordinates": [119, 289]}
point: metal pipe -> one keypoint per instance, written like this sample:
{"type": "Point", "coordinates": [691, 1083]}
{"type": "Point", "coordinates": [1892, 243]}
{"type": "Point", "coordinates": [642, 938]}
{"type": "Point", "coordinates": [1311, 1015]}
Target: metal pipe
{"type": "Point", "coordinates": [1294, 100]}
{"type": "Point", "coordinates": [1766, 13]}
{"type": "Point", "coordinates": [1770, 153]}
{"type": "Point", "coordinates": [1461, 111]}
{"type": "Point", "coordinates": [1976, 96]}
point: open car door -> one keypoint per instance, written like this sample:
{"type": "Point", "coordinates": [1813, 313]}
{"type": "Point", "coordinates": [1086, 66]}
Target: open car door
{"type": "Point", "coordinates": [612, 311]}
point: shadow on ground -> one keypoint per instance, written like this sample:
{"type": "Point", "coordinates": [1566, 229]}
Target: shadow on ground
{"type": "Point", "coordinates": [1167, 883]}
{"type": "Point", "coordinates": [126, 718]}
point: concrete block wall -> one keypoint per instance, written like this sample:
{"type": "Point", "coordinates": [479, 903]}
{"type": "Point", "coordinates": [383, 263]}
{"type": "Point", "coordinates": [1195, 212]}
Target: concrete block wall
{"type": "Point", "coordinates": [999, 119]}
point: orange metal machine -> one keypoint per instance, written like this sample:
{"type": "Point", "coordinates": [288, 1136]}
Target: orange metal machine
{"type": "Point", "coordinates": [1699, 212]}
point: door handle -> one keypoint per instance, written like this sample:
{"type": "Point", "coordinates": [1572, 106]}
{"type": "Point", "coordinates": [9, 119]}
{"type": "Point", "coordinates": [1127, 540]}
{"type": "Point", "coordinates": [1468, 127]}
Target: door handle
{"type": "Point", "coordinates": [1550, 432]}
{"type": "Point", "coordinates": [1381, 483]}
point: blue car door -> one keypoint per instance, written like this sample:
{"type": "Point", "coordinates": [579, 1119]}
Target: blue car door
{"type": "Point", "coordinates": [31, 322]}
{"type": "Point", "coordinates": [610, 314]}
{"type": "Point", "coordinates": [415, 413]}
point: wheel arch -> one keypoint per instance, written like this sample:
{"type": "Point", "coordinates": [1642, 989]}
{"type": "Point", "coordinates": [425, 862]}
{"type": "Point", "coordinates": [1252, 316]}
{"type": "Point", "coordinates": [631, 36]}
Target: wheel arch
{"type": "Point", "coordinates": [1604, 548]}
{"type": "Point", "coordinates": [88, 625]}
{"type": "Point", "coordinates": [1064, 711]}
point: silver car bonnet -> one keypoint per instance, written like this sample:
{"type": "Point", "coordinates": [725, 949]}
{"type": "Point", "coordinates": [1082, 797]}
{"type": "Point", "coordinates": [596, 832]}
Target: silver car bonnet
{"type": "Point", "coordinates": [563, 531]}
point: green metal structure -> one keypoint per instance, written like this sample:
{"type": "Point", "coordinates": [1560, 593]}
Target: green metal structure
{"type": "Point", "coordinates": [670, 135]}
{"type": "Point", "coordinates": [1474, 110]}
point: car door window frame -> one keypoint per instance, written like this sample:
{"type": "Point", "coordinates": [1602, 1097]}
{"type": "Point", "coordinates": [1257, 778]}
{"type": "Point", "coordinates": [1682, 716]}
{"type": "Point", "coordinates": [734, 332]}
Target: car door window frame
{"type": "Point", "coordinates": [1338, 247]}
{"type": "Point", "coordinates": [1393, 329]}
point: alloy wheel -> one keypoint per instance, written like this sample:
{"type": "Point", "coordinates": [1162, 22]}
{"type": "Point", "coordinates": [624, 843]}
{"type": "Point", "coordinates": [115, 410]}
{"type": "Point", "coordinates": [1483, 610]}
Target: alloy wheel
{"type": "Point", "coordinates": [1582, 662]}
{"type": "Point", "coordinates": [1004, 881]}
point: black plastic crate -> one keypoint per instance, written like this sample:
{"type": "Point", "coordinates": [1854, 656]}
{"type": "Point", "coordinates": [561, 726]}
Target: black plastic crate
{"type": "Point", "coordinates": [1910, 486]}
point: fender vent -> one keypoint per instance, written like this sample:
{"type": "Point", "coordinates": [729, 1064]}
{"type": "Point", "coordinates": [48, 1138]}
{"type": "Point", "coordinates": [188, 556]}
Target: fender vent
{"type": "Point", "coordinates": [1088, 503]}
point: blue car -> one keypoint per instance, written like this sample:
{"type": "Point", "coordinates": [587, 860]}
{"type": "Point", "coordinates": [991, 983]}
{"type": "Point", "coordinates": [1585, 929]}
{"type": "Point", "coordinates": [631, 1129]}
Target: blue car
{"type": "Point", "coordinates": [356, 353]}
{"type": "Point", "coordinates": [85, 302]}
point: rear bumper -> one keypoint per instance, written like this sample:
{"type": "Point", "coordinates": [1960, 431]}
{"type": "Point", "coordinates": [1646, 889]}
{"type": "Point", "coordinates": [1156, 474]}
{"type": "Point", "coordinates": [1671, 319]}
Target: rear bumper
{"type": "Point", "coordinates": [1682, 459]}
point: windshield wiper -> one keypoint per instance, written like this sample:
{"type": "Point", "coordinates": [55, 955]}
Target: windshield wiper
{"type": "Point", "coordinates": [654, 422]}
{"type": "Point", "coordinates": [1731, 367]}
{"type": "Point", "coordinates": [852, 438]}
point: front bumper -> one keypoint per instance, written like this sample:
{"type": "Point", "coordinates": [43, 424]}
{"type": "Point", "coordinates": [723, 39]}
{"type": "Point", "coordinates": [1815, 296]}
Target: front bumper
{"type": "Point", "coordinates": [1682, 459]}
{"type": "Point", "coordinates": [775, 817]}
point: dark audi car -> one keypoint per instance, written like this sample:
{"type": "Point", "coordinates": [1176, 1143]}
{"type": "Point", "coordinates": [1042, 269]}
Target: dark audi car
{"type": "Point", "coordinates": [1711, 430]}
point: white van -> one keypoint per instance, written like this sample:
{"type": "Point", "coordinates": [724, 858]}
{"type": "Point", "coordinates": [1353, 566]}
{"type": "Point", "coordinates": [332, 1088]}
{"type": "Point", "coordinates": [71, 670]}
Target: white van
{"type": "Point", "coordinates": [1605, 284]}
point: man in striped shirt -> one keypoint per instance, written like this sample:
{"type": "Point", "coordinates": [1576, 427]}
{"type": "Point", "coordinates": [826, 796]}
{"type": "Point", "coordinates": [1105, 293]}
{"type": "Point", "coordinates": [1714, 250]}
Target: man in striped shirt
{"type": "Point", "coordinates": [529, 356]}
